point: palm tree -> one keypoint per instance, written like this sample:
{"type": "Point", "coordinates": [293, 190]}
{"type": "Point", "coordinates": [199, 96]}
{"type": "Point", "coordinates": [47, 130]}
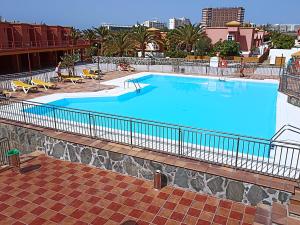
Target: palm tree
{"type": "Point", "coordinates": [89, 35]}
{"type": "Point", "coordinates": [68, 61]}
{"type": "Point", "coordinates": [119, 44]}
{"type": "Point", "coordinates": [186, 36]}
{"type": "Point", "coordinates": [102, 34]}
{"type": "Point", "coordinates": [142, 37]}
{"type": "Point", "coordinates": [75, 35]}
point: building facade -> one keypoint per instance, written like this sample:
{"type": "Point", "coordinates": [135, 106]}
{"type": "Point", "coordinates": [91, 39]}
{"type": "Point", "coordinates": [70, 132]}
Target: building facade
{"type": "Point", "coordinates": [178, 22]}
{"type": "Point", "coordinates": [297, 42]}
{"type": "Point", "coordinates": [114, 27]}
{"type": "Point", "coordinates": [154, 24]}
{"type": "Point", "coordinates": [218, 17]}
{"type": "Point", "coordinates": [248, 37]}
{"type": "Point", "coordinates": [26, 47]}
{"type": "Point", "coordinates": [286, 28]}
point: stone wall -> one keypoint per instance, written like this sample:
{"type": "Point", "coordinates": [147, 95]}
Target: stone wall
{"type": "Point", "coordinates": [294, 101]}
{"type": "Point", "coordinates": [29, 140]}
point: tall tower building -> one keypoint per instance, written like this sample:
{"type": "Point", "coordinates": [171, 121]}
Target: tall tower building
{"type": "Point", "coordinates": [218, 17]}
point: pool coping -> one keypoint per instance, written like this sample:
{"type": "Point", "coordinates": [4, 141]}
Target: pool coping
{"type": "Point", "coordinates": [286, 113]}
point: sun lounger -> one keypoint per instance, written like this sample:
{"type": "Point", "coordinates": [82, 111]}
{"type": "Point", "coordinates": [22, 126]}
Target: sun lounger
{"type": "Point", "coordinates": [74, 80]}
{"type": "Point", "coordinates": [125, 67]}
{"type": "Point", "coordinates": [5, 93]}
{"type": "Point", "coordinates": [87, 74]}
{"type": "Point", "coordinates": [16, 84]}
{"type": "Point", "coordinates": [44, 84]}
{"type": "Point", "coordinates": [96, 71]}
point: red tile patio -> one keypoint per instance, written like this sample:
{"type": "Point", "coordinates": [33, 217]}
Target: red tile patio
{"type": "Point", "coordinates": [60, 192]}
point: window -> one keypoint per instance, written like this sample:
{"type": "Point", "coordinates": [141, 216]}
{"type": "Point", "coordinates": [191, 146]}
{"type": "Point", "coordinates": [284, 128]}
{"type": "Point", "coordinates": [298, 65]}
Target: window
{"type": "Point", "coordinates": [230, 37]}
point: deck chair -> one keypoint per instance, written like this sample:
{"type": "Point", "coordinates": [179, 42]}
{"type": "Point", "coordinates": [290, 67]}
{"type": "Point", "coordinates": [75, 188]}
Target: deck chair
{"type": "Point", "coordinates": [17, 84]}
{"type": "Point", "coordinates": [74, 80]}
{"type": "Point", "coordinates": [87, 74]}
{"type": "Point", "coordinates": [5, 93]}
{"type": "Point", "coordinates": [125, 67]}
{"type": "Point", "coordinates": [44, 84]}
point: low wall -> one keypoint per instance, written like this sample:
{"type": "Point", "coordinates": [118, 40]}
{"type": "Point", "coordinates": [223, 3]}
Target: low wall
{"type": "Point", "coordinates": [294, 101]}
{"type": "Point", "coordinates": [29, 140]}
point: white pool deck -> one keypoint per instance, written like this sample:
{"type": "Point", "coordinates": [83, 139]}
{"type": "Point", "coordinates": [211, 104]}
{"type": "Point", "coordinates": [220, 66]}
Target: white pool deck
{"type": "Point", "coordinates": [281, 155]}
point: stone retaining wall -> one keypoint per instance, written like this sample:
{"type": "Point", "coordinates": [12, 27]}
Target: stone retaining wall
{"type": "Point", "coordinates": [28, 140]}
{"type": "Point", "coordinates": [294, 101]}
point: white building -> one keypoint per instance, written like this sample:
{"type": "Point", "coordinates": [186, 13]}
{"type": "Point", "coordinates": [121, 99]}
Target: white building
{"type": "Point", "coordinates": [154, 23]}
{"type": "Point", "coordinates": [285, 27]}
{"type": "Point", "coordinates": [285, 53]}
{"type": "Point", "coordinates": [114, 27]}
{"type": "Point", "coordinates": [177, 22]}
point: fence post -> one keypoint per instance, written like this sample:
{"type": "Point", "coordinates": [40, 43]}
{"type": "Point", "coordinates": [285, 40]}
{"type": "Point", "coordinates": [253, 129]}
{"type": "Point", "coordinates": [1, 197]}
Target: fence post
{"type": "Point", "coordinates": [131, 141]}
{"type": "Point", "coordinates": [23, 110]}
{"type": "Point", "coordinates": [54, 117]}
{"type": "Point", "coordinates": [90, 125]}
{"type": "Point", "coordinates": [179, 142]}
{"type": "Point", "coordinates": [237, 152]}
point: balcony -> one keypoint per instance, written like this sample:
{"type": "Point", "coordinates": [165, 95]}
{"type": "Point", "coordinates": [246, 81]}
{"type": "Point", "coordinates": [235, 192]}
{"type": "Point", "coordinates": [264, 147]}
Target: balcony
{"type": "Point", "coordinates": [19, 47]}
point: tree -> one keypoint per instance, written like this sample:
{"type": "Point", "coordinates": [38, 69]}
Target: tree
{"type": "Point", "coordinates": [283, 41]}
{"type": "Point", "coordinates": [119, 44]}
{"type": "Point", "coordinates": [75, 35]}
{"type": "Point", "coordinates": [102, 34]}
{"type": "Point", "coordinates": [89, 35]}
{"type": "Point", "coordinates": [68, 62]}
{"type": "Point", "coordinates": [142, 37]}
{"type": "Point", "coordinates": [92, 51]}
{"type": "Point", "coordinates": [227, 48]}
{"type": "Point", "coordinates": [203, 46]}
{"type": "Point", "coordinates": [185, 37]}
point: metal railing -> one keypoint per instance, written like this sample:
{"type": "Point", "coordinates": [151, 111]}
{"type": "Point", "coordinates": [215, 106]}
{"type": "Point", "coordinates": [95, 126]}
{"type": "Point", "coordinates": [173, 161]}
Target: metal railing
{"type": "Point", "coordinates": [270, 157]}
{"type": "Point", "coordinates": [45, 75]}
{"type": "Point", "coordinates": [284, 129]}
{"type": "Point", "coordinates": [290, 84]}
{"type": "Point", "coordinates": [11, 45]}
{"type": "Point", "coordinates": [178, 65]}
{"type": "Point", "coordinates": [4, 148]}
{"type": "Point", "coordinates": [135, 83]}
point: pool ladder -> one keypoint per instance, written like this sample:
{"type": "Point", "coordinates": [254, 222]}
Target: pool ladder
{"type": "Point", "coordinates": [286, 128]}
{"type": "Point", "coordinates": [135, 83]}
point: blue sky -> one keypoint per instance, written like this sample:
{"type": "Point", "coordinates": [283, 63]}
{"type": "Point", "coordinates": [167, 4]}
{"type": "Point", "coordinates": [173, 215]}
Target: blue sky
{"type": "Point", "coordinates": [87, 13]}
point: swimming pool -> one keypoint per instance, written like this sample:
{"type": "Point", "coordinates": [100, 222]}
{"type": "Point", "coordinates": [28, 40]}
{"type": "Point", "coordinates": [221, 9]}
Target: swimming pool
{"type": "Point", "coordinates": [240, 107]}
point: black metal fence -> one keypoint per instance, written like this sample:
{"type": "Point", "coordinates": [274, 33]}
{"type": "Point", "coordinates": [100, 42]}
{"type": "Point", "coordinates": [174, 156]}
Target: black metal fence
{"type": "Point", "coordinates": [290, 84]}
{"type": "Point", "coordinates": [4, 148]}
{"type": "Point", "coordinates": [177, 65]}
{"type": "Point", "coordinates": [270, 157]}
{"type": "Point", "coordinates": [45, 75]}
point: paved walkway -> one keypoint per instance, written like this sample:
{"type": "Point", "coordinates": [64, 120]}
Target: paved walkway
{"type": "Point", "coordinates": [59, 192]}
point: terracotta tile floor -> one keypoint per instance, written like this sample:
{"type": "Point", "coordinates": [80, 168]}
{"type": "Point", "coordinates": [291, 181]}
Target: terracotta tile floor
{"type": "Point", "coordinates": [60, 192]}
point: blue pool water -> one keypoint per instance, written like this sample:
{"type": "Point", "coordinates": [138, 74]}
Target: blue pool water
{"type": "Point", "coordinates": [246, 108]}
{"type": "Point", "coordinates": [239, 107]}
